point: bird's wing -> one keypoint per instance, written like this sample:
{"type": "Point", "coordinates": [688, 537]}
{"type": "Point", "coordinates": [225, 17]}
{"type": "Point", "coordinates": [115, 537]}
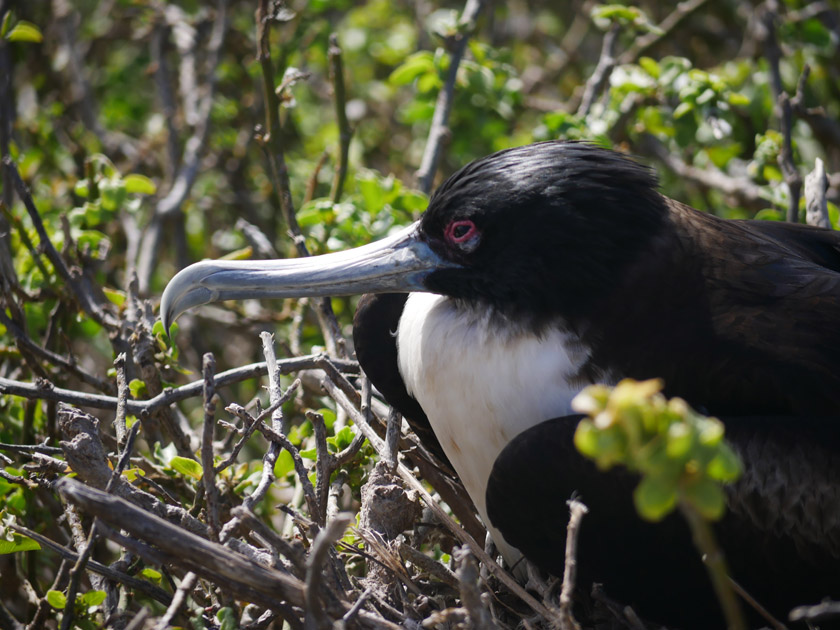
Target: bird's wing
{"type": "Point", "coordinates": [818, 245]}
{"type": "Point", "coordinates": [745, 314]}
{"type": "Point", "coordinates": [374, 336]}
{"type": "Point", "coordinates": [780, 533]}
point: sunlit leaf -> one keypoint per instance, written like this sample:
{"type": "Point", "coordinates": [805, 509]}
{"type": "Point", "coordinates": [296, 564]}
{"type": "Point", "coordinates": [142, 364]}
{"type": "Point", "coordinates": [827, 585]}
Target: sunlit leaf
{"type": "Point", "coordinates": [25, 31]}
{"type": "Point", "coordinates": [186, 466]}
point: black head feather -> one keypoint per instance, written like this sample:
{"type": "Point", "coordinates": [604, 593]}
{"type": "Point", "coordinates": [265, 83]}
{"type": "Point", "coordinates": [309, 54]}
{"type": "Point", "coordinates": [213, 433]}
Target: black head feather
{"type": "Point", "coordinates": [558, 221]}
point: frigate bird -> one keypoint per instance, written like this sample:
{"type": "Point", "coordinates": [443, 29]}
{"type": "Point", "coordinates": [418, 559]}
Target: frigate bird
{"type": "Point", "coordinates": [541, 269]}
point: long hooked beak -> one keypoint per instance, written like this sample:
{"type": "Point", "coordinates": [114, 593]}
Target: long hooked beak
{"type": "Point", "coordinates": [398, 263]}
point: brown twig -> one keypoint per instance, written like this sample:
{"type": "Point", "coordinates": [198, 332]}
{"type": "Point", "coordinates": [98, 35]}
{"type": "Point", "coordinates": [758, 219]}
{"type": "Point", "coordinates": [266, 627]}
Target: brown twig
{"type": "Point", "coordinates": [439, 131]}
{"type": "Point", "coordinates": [345, 133]}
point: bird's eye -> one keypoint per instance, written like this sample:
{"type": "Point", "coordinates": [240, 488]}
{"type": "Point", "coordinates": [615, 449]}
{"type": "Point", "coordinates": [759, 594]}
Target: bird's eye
{"type": "Point", "coordinates": [460, 232]}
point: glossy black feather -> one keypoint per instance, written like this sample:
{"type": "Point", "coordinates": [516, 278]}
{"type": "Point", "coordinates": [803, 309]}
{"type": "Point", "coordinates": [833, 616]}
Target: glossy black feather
{"type": "Point", "coordinates": [781, 532]}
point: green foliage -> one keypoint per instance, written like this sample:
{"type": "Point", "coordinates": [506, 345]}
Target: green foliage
{"type": "Point", "coordinates": [98, 144]}
{"type": "Point", "coordinates": [680, 455]}
{"type": "Point", "coordinates": [186, 466]}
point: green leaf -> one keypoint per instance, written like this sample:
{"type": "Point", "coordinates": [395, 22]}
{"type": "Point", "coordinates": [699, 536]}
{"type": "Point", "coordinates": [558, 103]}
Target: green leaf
{"type": "Point", "coordinates": [137, 388]}
{"type": "Point", "coordinates": [344, 438]}
{"type": "Point", "coordinates": [186, 466]}
{"type": "Point", "coordinates": [725, 465]}
{"type": "Point", "coordinates": [7, 22]}
{"type": "Point", "coordinates": [586, 438]}
{"type": "Point", "coordinates": [650, 66]}
{"type": "Point", "coordinates": [25, 31]}
{"type": "Point", "coordinates": [93, 598]}
{"type": "Point", "coordinates": [284, 464]}
{"type": "Point", "coordinates": [114, 296]}
{"type": "Point", "coordinates": [56, 599]}
{"type": "Point", "coordinates": [738, 99]}
{"type": "Point", "coordinates": [654, 498]}
{"type": "Point", "coordinates": [310, 453]}
{"type": "Point", "coordinates": [135, 183]}
{"type": "Point", "coordinates": [679, 439]}
{"type": "Point", "coordinates": [150, 574]}
{"type": "Point", "coordinates": [683, 108]}
{"type": "Point", "coordinates": [770, 214]}
{"type": "Point", "coordinates": [227, 619]}
{"type": "Point", "coordinates": [416, 64]}
{"type": "Point", "coordinates": [18, 543]}
{"type": "Point", "coordinates": [82, 188]}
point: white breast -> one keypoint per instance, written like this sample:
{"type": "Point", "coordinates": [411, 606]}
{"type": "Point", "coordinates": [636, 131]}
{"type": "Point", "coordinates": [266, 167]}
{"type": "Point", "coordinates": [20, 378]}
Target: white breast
{"type": "Point", "coordinates": [481, 382]}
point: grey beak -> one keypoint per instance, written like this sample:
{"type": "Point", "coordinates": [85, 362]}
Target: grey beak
{"type": "Point", "coordinates": [398, 263]}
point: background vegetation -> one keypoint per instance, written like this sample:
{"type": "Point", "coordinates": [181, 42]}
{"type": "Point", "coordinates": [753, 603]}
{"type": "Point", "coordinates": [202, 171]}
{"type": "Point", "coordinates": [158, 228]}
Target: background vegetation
{"type": "Point", "coordinates": [147, 139]}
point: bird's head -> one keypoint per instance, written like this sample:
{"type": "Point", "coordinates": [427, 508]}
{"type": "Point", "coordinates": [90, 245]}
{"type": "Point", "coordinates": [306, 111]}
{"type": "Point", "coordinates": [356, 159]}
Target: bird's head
{"type": "Point", "coordinates": [539, 230]}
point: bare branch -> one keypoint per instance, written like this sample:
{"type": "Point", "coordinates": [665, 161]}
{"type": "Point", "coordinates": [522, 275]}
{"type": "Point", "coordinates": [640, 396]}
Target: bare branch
{"type": "Point", "coordinates": [209, 476]}
{"type": "Point", "coordinates": [577, 510]}
{"type": "Point", "coordinates": [666, 27]}
{"type": "Point", "coordinates": [606, 62]}
{"type": "Point", "coordinates": [46, 391]}
{"type": "Point", "coordinates": [439, 131]}
{"type": "Point", "coordinates": [816, 206]}
{"type": "Point", "coordinates": [344, 131]}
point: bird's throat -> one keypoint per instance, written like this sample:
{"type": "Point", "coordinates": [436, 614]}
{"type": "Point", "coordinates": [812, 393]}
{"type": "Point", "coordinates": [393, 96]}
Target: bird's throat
{"type": "Point", "coordinates": [482, 380]}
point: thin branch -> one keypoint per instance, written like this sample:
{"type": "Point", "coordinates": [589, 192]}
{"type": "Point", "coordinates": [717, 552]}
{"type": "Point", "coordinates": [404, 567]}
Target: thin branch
{"type": "Point", "coordinates": [326, 538]}
{"type": "Point", "coordinates": [209, 477]}
{"type": "Point", "coordinates": [170, 204]}
{"type": "Point", "coordinates": [122, 398]}
{"type": "Point", "coordinates": [739, 188]}
{"type": "Point", "coordinates": [272, 143]}
{"type": "Point", "coordinates": [606, 62]}
{"type": "Point", "coordinates": [81, 293]}
{"type": "Point", "coordinates": [666, 27]}
{"type": "Point", "coordinates": [468, 580]}
{"type": "Point", "coordinates": [783, 106]}
{"type": "Point", "coordinates": [439, 131]}
{"type": "Point", "coordinates": [816, 205]}
{"type": "Point", "coordinates": [46, 391]}
{"type": "Point", "coordinates": [178, 600]}
{"type": "Point", "coordinates": [344, 131]}
{"type": "Point", "coordinates": [577, 510]}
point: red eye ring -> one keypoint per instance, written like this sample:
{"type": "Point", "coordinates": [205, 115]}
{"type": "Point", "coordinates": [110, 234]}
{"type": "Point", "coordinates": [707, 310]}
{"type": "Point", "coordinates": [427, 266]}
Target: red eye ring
{"type": "Point", "coordinates": [460, 231]}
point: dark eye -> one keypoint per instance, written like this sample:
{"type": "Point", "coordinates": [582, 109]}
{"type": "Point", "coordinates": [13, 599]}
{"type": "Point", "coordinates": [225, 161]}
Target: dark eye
{"type": "Point", "coordinates": [459, 232]}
